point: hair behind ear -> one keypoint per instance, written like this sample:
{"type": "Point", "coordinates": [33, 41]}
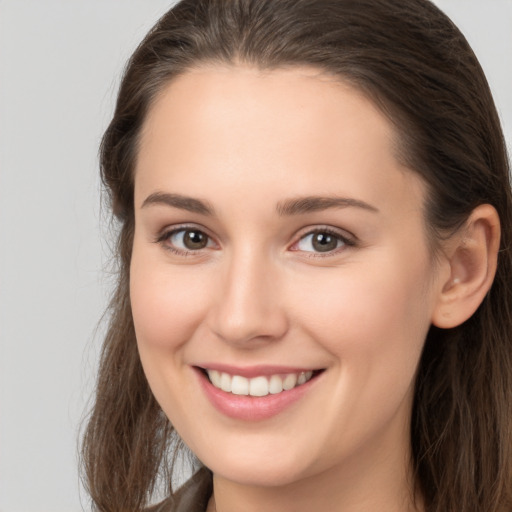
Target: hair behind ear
{"type": "Point", "coordinates": [463, 402]}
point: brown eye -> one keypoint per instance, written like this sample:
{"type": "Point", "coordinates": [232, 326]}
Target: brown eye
{"type": "Point", "coordinates": [324, 242]}
{"type": "Point", "coordinates": [188, 239]}
{"type": "Point", "coordinates": [195, 240]}
{"type": "Point", "coordinates": [321, 242]}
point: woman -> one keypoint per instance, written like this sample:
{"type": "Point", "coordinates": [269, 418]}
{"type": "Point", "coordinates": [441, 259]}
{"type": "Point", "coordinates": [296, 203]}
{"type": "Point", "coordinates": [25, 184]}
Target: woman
{"type": "Point", "coordinates": [313, 294]}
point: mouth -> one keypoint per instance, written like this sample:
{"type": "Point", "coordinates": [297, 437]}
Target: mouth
{"type": "Point", "coordinates": [258, 386]}
{"type": "Point", "coordinates": [255, 393]}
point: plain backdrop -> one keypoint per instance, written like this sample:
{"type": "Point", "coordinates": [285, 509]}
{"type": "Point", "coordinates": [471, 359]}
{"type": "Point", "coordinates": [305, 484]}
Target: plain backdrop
{"type": "Point", "coordinates": [60, 62]}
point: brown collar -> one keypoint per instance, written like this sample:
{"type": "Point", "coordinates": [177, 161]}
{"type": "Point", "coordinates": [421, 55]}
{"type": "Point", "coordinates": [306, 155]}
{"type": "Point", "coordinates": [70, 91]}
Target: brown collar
{"type": "Point", "coordinates": [193, 496]}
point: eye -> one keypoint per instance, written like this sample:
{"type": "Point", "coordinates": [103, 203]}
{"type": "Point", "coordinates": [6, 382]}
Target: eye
{"type": "Point", "coordinates": [184, 240]}
{"type": "Point", "coordinates": [322, 241]}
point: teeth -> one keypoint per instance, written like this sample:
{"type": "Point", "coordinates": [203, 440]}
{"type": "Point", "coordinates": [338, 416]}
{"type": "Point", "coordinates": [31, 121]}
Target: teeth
{"type": "Point", "coordinates": [225, 382]}
{"type": "Point", "coordinates": [276, 384]}
{"type": "Point", "coordinates": [258, 386]}
{"type": "Point", "coordinates": [214, 377]}
{"type": "Point", "coordinates": [289, 381]}
{"type": "Point", "coordinates": [239, 385]}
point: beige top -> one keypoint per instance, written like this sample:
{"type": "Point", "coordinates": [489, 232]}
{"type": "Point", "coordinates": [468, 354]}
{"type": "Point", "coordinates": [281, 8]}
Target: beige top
{"type": "Point", "coordinates": [193, 496]}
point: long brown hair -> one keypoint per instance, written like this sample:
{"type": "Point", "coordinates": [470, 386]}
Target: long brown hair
{"type": "Point", "coordinates": [411, 60]}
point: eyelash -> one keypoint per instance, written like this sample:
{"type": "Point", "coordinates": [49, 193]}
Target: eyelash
{"type": "Point", "coordinates": [346, 241]}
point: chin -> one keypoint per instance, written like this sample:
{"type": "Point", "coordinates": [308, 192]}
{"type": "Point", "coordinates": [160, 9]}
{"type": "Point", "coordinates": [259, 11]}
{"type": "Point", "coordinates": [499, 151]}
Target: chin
{"type": "Point", "coordinates": [269, 471]}
{"type": "Point", "coordinates": [268, 476]}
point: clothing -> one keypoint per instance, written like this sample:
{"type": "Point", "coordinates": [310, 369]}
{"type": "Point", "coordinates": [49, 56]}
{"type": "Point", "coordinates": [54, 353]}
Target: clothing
{"type": "Point", "coordinates": [193, 496]}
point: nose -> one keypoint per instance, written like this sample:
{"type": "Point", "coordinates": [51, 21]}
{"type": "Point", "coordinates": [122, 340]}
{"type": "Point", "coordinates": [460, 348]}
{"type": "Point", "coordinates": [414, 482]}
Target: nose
{"type": "Point", "coordinates": [248, 309]}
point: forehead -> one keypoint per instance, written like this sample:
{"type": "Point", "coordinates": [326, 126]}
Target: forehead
{"type": "Point", "coordinates": [296, 131]}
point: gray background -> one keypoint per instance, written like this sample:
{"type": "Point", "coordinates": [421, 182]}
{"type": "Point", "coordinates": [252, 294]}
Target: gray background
{"type": "Point", "coordinates": [60, 62]}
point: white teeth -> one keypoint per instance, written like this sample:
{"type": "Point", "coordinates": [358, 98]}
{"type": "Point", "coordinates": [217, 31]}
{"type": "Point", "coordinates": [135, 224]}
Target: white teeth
{"type": "Point", "coordinates": [304, 377]}
{"type": "Point", "coordinates": [275, 385]}
{"type": "Point", "coordinates": [225, 382]}
{"type": "Point", "coordinates": [257, 386]}
{"type": "Point", "coordinates": [214, 377]}
{"type": "Point", "coordinates": [290, 381]}
{"type": "Point", "coordinates": [239, 385]}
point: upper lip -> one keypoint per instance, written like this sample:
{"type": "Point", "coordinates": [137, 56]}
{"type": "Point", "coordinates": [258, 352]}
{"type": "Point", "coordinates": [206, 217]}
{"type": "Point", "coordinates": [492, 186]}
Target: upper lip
{"type": "Point", "coordinates": [255, 370]}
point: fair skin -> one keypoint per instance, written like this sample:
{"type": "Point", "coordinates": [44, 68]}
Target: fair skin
{"type": "Point", "coordinates": [232, 271]}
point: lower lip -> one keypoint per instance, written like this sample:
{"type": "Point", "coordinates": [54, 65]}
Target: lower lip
{"type": "Point", "coordinates": [252, 408]}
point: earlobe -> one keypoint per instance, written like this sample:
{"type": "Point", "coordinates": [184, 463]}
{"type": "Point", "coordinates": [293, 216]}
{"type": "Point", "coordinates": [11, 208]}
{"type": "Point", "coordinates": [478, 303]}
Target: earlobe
{"type": "Point", "coordinates": [472, 258]}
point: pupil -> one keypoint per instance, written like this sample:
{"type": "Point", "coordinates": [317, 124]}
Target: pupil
{"type": "Point", "coordinates": [323, 242]}
{"type": "Point", "coordinates": [195, 240]}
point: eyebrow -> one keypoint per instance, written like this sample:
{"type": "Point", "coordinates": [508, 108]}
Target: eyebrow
{"type": "Point", "coordinates": [309, 204]}
{"type": "Point", "coordinates": [295, 206]}
{"type": "Point", "coordinates": [189, 204]}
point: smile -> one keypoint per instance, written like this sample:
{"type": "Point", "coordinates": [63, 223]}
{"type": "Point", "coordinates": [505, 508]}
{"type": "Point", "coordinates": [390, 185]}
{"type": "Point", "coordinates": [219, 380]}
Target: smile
{"type": "Point", "coordinates": [257, 386]}
{"type": "Point", "coordinates": [255, 393]}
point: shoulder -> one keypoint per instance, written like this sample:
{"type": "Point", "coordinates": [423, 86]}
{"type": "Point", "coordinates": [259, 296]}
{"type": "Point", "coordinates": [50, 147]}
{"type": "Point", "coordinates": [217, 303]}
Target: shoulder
{"type": "Point", "coordinates": [193, 496]}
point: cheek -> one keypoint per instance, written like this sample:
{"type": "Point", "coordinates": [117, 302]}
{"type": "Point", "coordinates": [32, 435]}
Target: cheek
{"type": "Point", "coordinates": [373, 320]}
{"type": "Point", "coordinates": [373, 324]}
{"type": "Point", "coordinates": [167, 303]}
{"type": "Point", "coordinates": [363, 302]}
{"type": "Point", "coordinates": [167, 306]}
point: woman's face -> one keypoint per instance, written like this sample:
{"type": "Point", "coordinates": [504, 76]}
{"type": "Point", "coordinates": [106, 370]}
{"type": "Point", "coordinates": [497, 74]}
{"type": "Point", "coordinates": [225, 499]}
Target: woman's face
{"type": "Point", "coordinates": [279, 240]}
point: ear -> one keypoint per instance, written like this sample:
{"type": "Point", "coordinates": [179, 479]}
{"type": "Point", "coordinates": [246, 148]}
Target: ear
{"type": "Point", "coordinates": [472, 255]}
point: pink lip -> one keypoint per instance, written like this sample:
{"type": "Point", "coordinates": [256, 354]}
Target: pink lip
{"type": "Point", "coordinates": [250, 408]}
